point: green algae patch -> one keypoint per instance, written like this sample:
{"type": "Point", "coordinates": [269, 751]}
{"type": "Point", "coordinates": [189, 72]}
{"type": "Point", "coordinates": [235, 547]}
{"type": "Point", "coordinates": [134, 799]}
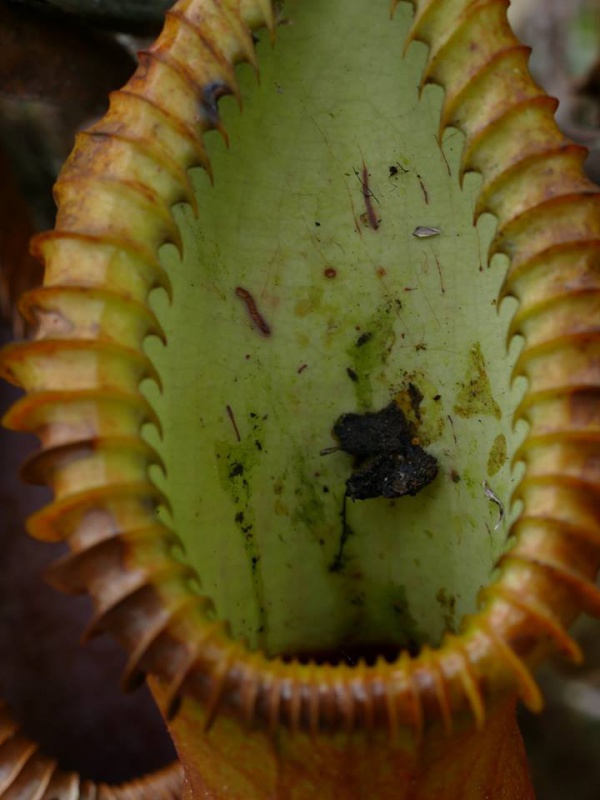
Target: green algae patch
{"type": "Point", "coordinates": [475, 394]}
{"type": "Point", "coordinates": [498, 455]}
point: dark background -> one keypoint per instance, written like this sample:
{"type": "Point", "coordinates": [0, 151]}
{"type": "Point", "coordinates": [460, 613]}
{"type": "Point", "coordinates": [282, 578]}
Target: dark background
{"type": "Point", "coordinates": [58, 61]}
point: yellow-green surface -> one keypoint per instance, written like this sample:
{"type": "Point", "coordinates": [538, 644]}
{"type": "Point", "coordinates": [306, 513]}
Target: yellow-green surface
{"type": "Point", "coordinates": [288, 222]}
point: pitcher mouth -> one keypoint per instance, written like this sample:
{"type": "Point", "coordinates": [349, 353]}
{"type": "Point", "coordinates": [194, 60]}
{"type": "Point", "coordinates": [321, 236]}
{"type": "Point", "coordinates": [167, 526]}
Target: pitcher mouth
{"type": "Point", "coordinates": [352, 655]}
{"type": "Point", "coordinates": [84, 371]}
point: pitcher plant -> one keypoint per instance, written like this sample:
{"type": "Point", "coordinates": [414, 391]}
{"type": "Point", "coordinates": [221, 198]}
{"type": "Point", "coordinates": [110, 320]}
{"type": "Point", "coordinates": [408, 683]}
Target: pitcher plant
{"type": "Point", "coordinates": [318, 398]}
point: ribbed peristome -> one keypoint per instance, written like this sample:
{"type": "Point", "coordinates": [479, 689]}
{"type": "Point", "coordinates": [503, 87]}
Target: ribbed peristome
{"type": "Point", "coordinates": [82, 376]}
{"type": "Point", "coordinates": [27, 774]}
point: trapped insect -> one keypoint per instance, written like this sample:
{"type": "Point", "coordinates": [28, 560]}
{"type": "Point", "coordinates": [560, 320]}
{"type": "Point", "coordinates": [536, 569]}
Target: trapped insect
{"type": "Point", "coordinates": [388, 459]}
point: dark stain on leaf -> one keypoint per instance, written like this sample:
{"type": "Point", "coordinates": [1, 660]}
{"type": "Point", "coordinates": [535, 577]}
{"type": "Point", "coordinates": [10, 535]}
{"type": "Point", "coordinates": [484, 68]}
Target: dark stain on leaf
{"type": "Point", "coordinates": [389, 461]}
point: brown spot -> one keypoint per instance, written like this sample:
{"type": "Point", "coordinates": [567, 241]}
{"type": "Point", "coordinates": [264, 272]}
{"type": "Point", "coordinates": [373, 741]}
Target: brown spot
{"type": "Point", "coordinates": [330, 272]}
{"type": "Point", "coordinates": [409, 399]}
{"type": "Point", "coordinates": [416, 397]}
{"type": "Point", "coordinates": [447, 604]}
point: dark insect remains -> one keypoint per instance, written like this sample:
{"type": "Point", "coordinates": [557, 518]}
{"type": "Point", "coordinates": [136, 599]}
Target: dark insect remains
{"type": "Point", "coordinates": [388, 459]}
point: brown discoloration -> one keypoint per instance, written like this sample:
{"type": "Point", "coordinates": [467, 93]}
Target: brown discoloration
{"type": "Point", "coordinates": [416, 396]}
{"type": "Point", "coordinates": [409, 399]}
{"type": "Point", "coordinates": [447, 603]}
{"type": "Point", "coordinates": [330, 272]}
{"type": "Point", "coordinates": [255, 315]}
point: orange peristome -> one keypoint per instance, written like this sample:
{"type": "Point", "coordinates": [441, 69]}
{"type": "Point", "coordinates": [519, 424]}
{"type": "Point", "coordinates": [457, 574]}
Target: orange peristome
{"type": "Point", "coordinates": [84, 370]}
{"type": "Point", "coordinates": [367, 731]}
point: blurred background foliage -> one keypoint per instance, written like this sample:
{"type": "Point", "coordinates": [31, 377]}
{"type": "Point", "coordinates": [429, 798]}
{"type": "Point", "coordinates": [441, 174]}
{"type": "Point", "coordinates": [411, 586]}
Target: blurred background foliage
{"type": "Point", "coordinates": [58, 63]}
{"type": "Point", "coordinates": [59, 59]}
